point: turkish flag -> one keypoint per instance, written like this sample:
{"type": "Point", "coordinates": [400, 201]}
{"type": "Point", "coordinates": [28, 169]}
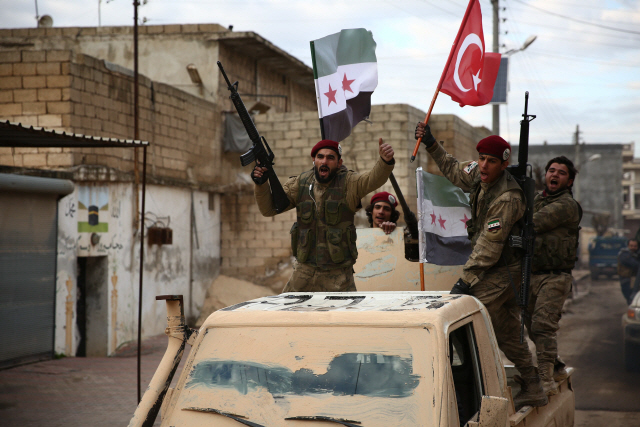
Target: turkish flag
{"type": "Point", "coordinates": [471, 72]}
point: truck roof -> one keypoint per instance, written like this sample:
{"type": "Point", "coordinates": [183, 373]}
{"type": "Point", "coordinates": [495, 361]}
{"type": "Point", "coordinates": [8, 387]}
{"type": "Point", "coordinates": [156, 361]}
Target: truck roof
{"type": "Point", "coordinates": [347, 308]}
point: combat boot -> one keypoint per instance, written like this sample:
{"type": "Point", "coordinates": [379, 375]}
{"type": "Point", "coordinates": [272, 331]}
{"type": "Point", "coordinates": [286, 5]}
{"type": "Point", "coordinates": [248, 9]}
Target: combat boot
{"type": "Point", "coordinates": [559, 372]}
{"type": "Point", "coordinates": [546, 377]}
{"type": "Point", "coordinates": [531, 392]}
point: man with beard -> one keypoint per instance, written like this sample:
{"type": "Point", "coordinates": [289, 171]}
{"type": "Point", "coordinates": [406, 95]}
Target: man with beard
{"type": "Point", "coordinates": [556, 222]}
{"type": "Point", "coordinates": [382, 212]}
{"type": "Point", "coordinates": [326, 198]}
{"type": "Point", "coordinates": [493, 271]}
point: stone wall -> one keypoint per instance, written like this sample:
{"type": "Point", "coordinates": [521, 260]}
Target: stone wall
{"type": "Point", "coordinates": [77, 93]}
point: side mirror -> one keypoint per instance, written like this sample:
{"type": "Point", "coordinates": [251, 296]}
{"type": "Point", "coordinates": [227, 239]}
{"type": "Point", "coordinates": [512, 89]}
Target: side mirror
{"type": "Point", "coordinates": [493, 412]}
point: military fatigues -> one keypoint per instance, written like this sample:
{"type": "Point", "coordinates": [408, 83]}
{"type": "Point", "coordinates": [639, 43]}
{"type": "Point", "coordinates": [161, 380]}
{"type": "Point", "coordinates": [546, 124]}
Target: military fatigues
{"type": "Point", "coordinates": [495, 211]}
{"type": "Point", "coordinates": [628, 264]}
{"type": "Point", "coordinates": [556, 221]}
{"type": "Point", "coordinates": [323, 238]}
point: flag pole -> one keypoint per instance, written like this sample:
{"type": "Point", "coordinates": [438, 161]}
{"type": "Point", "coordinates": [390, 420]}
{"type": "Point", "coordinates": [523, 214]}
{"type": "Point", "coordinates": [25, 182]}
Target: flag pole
{"type": "Point", "coordinates": [315, 79]}
{"type": "Point", "coordinates": [422, 276]}
{"type": "Point", "coordinates": [446, 68]}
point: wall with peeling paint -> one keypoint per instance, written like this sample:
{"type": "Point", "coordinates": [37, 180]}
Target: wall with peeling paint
{"type": "Point", "coordinates": [187, 266]}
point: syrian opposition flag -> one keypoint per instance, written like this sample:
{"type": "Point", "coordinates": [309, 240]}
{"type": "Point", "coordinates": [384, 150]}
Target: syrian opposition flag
{"type": "Point", "coordinates": [471, 71]}
{"type": "Point", "coordinates": [443, 210]}
{"type": "Point", "coordinates": [346, 73]}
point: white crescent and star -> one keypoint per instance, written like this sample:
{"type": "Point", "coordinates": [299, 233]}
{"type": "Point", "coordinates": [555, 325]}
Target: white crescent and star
{"type": "Point", "coordinates": [468, 41]}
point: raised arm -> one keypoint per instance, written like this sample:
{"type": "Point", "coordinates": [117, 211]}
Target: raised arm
{"type": "Point", "coordinates": [262, 194]}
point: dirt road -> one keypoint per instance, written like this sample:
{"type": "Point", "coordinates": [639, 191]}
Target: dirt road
{"type": "Point", "coordinates": [590, 340]}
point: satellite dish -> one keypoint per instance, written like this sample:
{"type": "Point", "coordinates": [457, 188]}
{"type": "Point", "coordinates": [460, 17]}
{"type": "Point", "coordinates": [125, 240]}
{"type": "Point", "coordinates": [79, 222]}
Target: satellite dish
{"type": "Point", "coordinates": [45, 21]}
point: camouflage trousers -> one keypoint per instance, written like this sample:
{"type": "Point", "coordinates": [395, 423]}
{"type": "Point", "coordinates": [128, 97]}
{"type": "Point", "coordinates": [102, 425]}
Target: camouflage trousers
{"type": "Point", "coordinates": [547, 296]}
{"type": "Point", "coordinates": [496, 292]}
{"type": "Point", "coordinates": [307, 278]}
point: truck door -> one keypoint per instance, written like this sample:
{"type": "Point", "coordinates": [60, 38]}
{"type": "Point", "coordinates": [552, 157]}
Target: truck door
{"type": "Point", "coordinates": [466, 371]}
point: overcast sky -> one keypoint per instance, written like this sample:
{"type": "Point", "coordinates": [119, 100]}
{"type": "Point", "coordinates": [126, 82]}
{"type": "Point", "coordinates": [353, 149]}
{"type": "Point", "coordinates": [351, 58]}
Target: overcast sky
{"type": "Point", "coordinates": [583, 69]}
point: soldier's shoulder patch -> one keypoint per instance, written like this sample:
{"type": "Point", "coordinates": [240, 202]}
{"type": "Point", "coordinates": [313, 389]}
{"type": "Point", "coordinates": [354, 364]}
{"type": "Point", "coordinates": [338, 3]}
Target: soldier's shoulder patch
{"type": "Point", "coordinates": [471, 166]}
{"type": "Point", "coordinates": [494, 224]}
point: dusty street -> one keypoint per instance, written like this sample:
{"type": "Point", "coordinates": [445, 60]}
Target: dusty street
{"type": "Point", "coordinates": [590, 340]}
{"type": "Point", "coordinates": [102, 391]}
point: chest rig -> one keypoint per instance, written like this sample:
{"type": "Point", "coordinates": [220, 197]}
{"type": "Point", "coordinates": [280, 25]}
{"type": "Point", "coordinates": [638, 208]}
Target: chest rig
{"type": "Point", "coordinates": [324, 234]}
{"type": "Point", "coordinates": [556, 249]}
{"type": "Point", "coordinates": [480, 211]}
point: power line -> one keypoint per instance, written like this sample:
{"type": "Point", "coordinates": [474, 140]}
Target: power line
{"type": "Point", "coordinates": [578, 20]}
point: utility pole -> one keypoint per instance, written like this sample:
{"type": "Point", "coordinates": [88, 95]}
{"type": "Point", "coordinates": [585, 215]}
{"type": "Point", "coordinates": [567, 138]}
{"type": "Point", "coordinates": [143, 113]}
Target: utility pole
{"type": "Point", "coordinates": [577, 162]}
{"type": "Point", "coordinates": [496, 46]}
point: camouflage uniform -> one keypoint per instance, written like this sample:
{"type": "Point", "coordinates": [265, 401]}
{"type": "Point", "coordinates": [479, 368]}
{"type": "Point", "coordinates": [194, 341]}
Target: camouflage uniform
{"type": "Point", "coordinates": [495, 210]}
{"type": "Point", "coordinates": [556, 222]}
{"type": "Point", "coordinates": [324, 239]}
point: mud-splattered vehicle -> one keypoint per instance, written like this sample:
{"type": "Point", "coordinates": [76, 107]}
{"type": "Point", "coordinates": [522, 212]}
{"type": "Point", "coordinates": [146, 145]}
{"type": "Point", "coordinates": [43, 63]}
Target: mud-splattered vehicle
{"type": "Point", "coordinates": [353, 359]}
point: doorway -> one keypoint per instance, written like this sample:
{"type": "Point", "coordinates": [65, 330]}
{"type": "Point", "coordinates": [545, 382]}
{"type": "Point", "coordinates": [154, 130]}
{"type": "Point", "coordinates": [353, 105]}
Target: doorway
{"type": "Point", "coordinates": [92, 307]}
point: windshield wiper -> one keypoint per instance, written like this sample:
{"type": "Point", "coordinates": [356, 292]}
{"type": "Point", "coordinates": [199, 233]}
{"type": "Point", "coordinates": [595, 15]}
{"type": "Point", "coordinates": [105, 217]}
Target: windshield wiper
{"type": "Point", "coordinates": [348, 423]}
{"type": "Point", "coordinates": [238, 418]}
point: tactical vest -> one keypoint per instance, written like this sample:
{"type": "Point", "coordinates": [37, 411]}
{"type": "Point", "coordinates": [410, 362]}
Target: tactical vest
{"type": "Point", "coordinates": [480, 209]}
{"type": "Point", "coordinates": [324, 237]}
{"type": "Point", "coordinates": [556, 249]}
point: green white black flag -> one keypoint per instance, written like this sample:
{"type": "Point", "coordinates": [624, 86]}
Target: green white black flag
{"type": "Point", "coordinates": [345, 71]}
{"type": "Point", "coordinates": [443, 212]}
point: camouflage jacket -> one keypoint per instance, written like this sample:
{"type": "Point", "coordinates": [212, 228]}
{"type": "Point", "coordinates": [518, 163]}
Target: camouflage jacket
{"type": "Point", "coordinates": [556, 221]}
{"type": "Point", "coordinates": [495, 222]}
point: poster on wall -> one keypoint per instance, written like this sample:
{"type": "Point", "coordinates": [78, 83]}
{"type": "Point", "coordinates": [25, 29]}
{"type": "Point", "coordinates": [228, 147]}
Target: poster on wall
{"type": "Point", "coordinates": [93, 219]}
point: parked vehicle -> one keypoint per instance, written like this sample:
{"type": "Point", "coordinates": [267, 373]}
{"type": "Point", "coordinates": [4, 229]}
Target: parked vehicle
{"type": "Point", "coordinates": [631, 334]}
{"type": "Point", "coordinates": [603, 255]}
{"type": "Point", "coordinates": [355, 359]}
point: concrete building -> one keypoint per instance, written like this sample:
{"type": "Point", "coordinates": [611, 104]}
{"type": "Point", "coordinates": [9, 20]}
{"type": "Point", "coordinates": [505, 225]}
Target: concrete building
{"type": "Point", "coordinates": [630, 190]}
{"type": "Point", "coordinates": [79, 81]}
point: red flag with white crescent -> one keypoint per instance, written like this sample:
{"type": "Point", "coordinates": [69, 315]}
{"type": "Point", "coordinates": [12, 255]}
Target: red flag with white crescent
{"type": "Point", "coordinates": [471, 71]}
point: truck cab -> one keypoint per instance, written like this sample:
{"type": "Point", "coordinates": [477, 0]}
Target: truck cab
{"type": "Point", "coordinates": [356, 359]}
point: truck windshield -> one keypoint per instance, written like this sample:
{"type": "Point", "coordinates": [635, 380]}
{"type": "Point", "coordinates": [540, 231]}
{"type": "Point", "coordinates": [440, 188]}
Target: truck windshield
{"type": "Point", "coordinates": [271, 373]}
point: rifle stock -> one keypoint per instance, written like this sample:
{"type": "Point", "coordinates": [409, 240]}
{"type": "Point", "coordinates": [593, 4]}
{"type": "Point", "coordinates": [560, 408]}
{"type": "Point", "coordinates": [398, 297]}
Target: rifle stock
{"type": "Point", "coordinates": [527, 236]}
{"type": "Point", "coordinates": [260, 152]}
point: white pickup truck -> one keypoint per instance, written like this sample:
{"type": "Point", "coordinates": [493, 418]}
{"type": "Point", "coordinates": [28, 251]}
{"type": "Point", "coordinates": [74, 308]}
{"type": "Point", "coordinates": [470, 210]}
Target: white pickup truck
{"type": "Point", "coordinates": [353, 359]}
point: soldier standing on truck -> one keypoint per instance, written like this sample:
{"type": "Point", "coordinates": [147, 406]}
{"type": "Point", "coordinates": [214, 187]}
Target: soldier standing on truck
{"type": "Point", "coordinates": [382, 212]}
{"type": "Point", "coordinates": [493, 269]}
{"type": "Point", "coordinates": [326, 198]}
{"type": "Point", "coordinates": [628, 264]}
{"type": "Point", "coordinates": [556, 221]}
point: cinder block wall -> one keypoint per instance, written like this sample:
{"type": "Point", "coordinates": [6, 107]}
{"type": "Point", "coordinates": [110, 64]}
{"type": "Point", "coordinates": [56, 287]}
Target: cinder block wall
{"type": "Point", "coordinates": [78, 94]}
{"type": "Point", "coordinates": [253, 245]}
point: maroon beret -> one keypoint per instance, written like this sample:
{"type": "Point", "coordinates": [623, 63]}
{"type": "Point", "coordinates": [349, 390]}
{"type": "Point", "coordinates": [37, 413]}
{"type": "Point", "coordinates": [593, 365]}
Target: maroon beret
{"type": "Point", "coordinates": [494, 146]}
{"type": "Point", "coordinates": [327, 143]}
{"type": "Point", "coordinates": [384, 197]}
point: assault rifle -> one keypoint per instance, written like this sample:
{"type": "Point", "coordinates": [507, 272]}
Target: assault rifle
{"type": "Point", "coordinates": [526, 239]}
{"type": "Point", "coordinates": [260, 152]}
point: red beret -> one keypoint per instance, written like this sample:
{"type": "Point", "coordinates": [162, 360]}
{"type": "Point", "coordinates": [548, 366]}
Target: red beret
{"type": "Point", "coordinates": [326, 143]}
{"type": "Point", "coordinates": [384, 197]}
{"type": "Point", "coordinates": [494, 146]}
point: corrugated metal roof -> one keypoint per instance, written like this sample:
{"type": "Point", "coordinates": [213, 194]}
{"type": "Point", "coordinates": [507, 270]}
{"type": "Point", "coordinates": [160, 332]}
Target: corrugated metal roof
{"type": "Point", "coordinates": [16, 135]}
